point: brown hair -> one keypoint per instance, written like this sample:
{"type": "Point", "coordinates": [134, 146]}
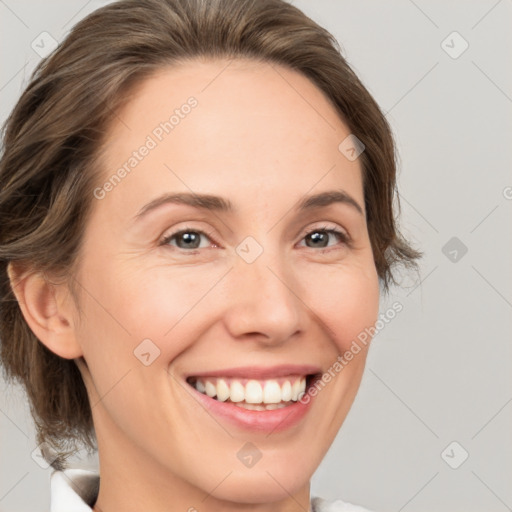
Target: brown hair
{"type": "Point", "coordinates": [52, 142]}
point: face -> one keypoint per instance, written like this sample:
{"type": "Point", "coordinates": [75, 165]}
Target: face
{"type": "Point", "coordinates": [198, 311]}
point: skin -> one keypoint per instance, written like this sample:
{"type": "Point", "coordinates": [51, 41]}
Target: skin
{"type": "Point", "coordinates": [262, 137]}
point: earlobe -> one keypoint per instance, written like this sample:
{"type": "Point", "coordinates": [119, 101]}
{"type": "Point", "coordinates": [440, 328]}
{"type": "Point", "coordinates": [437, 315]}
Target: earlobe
{"type": "Point", "coordinates": [46, 312]}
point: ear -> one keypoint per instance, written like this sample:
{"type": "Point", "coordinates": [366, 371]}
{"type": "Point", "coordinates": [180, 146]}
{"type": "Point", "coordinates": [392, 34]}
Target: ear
{"type": "Point", "coordinates": [47, 309]}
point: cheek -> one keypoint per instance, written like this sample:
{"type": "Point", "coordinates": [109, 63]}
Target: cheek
{"type": "Point", "coordinates": [167, 307]}
{"type": "Point", "coordinates": [172, 308]}
{"type": "Point", "coordinates": [346, 301]}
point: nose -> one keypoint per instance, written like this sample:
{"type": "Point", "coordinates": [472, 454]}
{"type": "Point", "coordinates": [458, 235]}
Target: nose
{"type": "Point", "coordinates": [265, 303]}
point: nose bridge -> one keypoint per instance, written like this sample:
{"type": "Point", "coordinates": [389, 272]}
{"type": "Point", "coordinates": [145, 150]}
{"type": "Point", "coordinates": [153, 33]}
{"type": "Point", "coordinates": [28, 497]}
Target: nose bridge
{"type": "Point", "coordinates": [263, 297]}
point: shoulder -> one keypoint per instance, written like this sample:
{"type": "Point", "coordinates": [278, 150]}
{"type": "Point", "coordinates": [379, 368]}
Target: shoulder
{"type": "Point", "coordinates": [321, 505]}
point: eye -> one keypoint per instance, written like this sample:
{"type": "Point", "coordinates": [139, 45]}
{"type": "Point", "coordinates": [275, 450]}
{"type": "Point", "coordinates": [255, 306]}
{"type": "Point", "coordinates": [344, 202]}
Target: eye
{"type": "Point", "coordinates": [319, 237]}
{"type": "Point", "coordinates": [190, 238]}
{"type": "Point", "coordinates": [187, 238]}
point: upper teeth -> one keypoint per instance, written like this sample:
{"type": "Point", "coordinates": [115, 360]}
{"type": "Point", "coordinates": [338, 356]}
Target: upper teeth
{"type": "Point", "coordinates": [254, 391]}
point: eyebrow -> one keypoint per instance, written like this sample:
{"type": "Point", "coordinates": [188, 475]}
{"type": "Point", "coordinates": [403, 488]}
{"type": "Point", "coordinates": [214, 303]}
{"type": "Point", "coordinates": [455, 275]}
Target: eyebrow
{"type": "Point", "coordinates": [216, 203]}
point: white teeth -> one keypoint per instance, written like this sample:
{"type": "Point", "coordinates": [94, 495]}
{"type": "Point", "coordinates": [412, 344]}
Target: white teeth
{"type": "Point", "coordinates": [210, 389]}
{"type": "Point", "coordinates": [261, 407]}
{"type": "Point", "coordinates": [268, 392]}
{"type": "Point", "coordinates": [296, 389]}
{"type": "Point", "coordinates": [272, 392]}
{"type": "Point", "coordinates": [286, 390]}
{"type": "Point", "coordinates": [253, 392]}
{"type": "Point", "coordinates": [222, 390]}
{"type": "Point", "coordinates": [200, 386]}
{"type": "Point", "coordinates": [237, 392]}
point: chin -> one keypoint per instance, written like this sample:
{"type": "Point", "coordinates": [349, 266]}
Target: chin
{"type": "Point", "coordinates": [261, 486]}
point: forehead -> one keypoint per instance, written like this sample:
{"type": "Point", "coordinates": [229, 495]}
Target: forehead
{"type": "Point", "coordinates": [239, 124]}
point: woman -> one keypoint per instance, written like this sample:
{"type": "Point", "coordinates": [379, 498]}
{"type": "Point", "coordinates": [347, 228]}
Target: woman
{"type": "Point", "coordinates": [197, 211]}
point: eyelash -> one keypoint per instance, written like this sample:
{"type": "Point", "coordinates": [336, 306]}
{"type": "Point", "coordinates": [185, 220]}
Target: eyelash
{"type": "Point", "coordinates": [344, 237]}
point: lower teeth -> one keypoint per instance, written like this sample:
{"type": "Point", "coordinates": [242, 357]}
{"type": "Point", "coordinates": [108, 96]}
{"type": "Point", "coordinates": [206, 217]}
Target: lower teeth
{"type": "Point", "coordinates": [261, 407]}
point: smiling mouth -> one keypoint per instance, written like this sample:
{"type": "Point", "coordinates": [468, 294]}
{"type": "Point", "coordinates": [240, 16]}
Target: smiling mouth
{"type": "Point", "coordinates": [254, 394]}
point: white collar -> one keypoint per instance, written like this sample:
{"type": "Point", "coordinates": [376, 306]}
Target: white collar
{"type": "Point", "coordinates": [73, 490]}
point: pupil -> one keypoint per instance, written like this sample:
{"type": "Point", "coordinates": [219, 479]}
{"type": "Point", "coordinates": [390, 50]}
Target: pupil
{"type": "Point", "coordinates": [188, 237]}
{"type": "Point", "coordinates": [317, 236]}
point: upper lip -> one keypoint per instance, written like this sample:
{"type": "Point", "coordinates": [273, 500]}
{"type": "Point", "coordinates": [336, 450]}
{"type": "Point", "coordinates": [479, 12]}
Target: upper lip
{"type": "Point", "coordinates": [260, 372]}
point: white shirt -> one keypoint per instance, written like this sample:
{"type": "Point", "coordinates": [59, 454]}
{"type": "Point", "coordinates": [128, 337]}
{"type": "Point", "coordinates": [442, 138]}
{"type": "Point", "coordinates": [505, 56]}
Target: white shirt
{"type": "Point", "coordinates": [76, 490]}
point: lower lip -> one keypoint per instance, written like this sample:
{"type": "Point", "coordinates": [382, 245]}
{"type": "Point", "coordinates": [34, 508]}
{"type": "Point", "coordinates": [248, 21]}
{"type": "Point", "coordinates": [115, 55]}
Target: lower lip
{"type": "Point", "coordinates": [270, 421]}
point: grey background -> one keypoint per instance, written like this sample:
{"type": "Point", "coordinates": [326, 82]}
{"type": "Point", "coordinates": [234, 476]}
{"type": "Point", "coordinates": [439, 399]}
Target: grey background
{"type": "Point", "coordinates": [441, 370]}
